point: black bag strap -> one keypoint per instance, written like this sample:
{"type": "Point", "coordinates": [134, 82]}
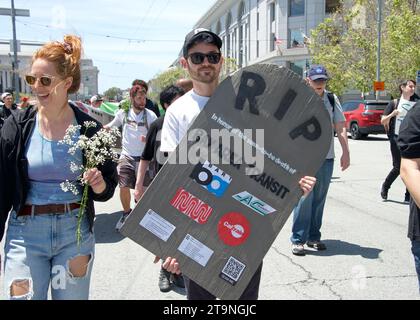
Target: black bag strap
{"type": "Point", "coordinates": [331, 99]}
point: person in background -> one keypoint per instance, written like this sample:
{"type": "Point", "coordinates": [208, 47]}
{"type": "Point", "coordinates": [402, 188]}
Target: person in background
{"type": "Point", "coordinates": [307, 219]}
{"type": "Point", "coordinates": [149, 103]}
{"type": "Point", "coordinates": [153, 158]}
{"type": "Point", "coordinates": [185, 84]}
{"type": "Point", "coordinates": [391, 124]}
{"type": "Point", "coordinates": [135, 122]}
{"type": "Point", "coordinates": [96, 101]}
{"type": "Point", "coordinates": [409, 144]}
{"type": "Point", "coordinates": [7, 108]}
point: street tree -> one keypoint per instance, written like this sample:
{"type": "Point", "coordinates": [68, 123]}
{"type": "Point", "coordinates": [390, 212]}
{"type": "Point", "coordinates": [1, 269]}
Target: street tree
{"type": "Point", "coordinates": [346, 43]}
{"type": "Point", "coordinates": [164, 79]}
{"type": "Point", "coordinates": [113, 93]}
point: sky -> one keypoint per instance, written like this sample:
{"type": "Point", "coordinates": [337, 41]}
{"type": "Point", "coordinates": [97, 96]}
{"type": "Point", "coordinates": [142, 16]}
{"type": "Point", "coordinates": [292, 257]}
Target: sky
{"type": "Point", "coordinates": [126, 39]}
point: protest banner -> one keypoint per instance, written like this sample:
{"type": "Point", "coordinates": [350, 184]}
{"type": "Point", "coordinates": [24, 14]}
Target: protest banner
{"type": "Point", "coordinates": [226, 192]}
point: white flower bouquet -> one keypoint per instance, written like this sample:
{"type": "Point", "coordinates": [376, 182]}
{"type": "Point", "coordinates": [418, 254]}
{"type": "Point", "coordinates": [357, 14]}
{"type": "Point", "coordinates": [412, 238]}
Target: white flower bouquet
{"type": "Point", "coordinates": [96, 150]}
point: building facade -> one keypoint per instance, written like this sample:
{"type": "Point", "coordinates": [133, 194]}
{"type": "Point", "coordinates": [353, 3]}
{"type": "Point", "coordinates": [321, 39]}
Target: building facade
{"type": "Point", "coordinates": [267, 31]}
{"type": "Point", "coordinates": [89, 83]}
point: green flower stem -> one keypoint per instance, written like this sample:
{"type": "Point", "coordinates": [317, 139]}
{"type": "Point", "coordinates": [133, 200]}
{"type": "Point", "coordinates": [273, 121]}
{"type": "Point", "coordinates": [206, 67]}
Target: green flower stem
{"type": "Point", "coordinates": [83, 204]}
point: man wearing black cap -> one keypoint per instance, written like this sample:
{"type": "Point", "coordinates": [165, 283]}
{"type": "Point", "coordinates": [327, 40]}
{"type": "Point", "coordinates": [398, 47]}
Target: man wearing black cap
{"type": "Point", "coordinates": [203, 60]}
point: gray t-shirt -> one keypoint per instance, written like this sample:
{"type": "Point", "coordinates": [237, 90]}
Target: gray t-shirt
{"type": "Point", "coordinates": [337, 117]}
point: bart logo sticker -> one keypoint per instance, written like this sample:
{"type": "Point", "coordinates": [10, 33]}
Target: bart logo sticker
{"type": "Point", "coordinates": [211, 178]}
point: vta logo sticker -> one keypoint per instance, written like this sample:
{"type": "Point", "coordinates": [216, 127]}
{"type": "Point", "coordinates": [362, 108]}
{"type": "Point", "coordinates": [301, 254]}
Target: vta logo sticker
{"type": "Point", "coordinates": [211, 178]}
{"type": "Point", "coordinates": [234, 229]}
{"type": "Point", "coordinates": [254, 203]}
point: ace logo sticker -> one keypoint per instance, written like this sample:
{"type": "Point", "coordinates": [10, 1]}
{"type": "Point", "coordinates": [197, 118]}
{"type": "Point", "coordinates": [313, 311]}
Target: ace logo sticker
{"type": "Point", "coordinates": [254, 203]}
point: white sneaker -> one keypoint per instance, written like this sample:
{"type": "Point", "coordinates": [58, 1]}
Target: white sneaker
{"type": "Point", "coordinates": [298, 249]}
{"type": "Point", "coordinates": [122, 220]}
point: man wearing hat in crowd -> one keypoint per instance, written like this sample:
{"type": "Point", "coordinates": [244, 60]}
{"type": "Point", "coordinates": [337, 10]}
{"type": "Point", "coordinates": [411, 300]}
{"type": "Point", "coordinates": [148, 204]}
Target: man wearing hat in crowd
{"type": "Point", "coordinates": [7, 107]}
{"type": "Point", "coordinates": [96, 101]}
{"type": "Point", "coordinates": [308, 214]}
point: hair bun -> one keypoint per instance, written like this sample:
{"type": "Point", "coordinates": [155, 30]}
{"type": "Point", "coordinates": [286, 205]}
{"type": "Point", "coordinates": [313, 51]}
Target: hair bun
{"type": "Point", "coordinates": [68, 48]}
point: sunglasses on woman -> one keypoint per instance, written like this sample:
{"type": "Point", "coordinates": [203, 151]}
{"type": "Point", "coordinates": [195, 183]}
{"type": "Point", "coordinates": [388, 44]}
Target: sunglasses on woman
{"type": "Point", "coordinates": [45, 80]}
{"type": "Point", "coordinates": [198, 57]}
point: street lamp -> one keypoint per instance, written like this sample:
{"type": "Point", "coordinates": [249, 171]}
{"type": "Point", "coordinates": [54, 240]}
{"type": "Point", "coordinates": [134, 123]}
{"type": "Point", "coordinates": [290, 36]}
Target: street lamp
{"type": "Point", "coordinates": [15, 66]}
{"type": "Point", "coordinates": [378, 71]}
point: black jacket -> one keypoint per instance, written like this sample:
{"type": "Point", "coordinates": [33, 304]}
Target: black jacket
{"type": "Point", "coordinates": [409, 143]}
{"type": "Point", "coordinates": [5, 113]}
{"type": "Point", "coordinates": [14, 181]}
{"type": "Point", "coordinates": [152, 107]}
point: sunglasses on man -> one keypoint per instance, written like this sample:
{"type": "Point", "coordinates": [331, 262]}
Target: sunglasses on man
{"type": "Point", "coordinates": [212, 57]}
{"type": "Point", "coordinates": [45, 80]}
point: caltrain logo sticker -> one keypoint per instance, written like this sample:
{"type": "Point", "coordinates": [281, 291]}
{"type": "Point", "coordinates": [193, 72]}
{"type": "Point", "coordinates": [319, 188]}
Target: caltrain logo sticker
{"type": "Point", "coordinates": [234, 229]}
{"type": "Point", "coordinates": [211, 178]}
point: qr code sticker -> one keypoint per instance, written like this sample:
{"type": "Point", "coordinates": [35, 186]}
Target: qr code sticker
{"type": "Point", "coordinates": [233, 270]}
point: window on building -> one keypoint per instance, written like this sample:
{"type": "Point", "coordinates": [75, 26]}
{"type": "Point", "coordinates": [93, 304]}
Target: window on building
{"type": "Point", "coordinates": [295, 39]}
{"type": "Point", "coordinates": [218, 28]}
{"type": "Point", "coordinates": [258, 48]}
{"type": "Point", "coordinates": [273, 41]}
{"type": "Point", "coordinates": [258, 21]}
{"type": "Point", "coordinates": [272, 12]}
{"type": "Point", "coordinates": [298, 67]}
{"type": "Point", "coordinates": [241, 11]}
{"type": "Point", "coordinates": [332, 5]}
{"type": "Point", "coordinates": [296, 8]}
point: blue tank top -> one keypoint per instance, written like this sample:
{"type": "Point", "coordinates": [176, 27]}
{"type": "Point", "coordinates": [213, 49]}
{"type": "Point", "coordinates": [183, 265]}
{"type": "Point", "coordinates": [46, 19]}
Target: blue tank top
{"type": "Point", "coordinates": [48, 167]}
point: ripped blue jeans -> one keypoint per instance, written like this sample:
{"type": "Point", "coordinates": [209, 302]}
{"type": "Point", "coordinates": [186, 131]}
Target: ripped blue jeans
{"type": "Point", "coordinates": [38, 250]}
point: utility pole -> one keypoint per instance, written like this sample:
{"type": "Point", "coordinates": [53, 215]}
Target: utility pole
{"type": "Point", "coordinates": [15, 65]}
{"type": "Point", "coordinates": [378, 71]}
{"type": "Point", "coordinates": [16, 83]}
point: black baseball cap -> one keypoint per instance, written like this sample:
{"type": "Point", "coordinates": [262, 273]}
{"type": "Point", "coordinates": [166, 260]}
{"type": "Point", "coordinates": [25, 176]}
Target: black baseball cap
{"type": "Point", "coordinates": [200, 35]}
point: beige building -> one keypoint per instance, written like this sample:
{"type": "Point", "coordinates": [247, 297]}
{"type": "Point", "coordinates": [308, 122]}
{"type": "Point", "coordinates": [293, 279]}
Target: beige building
{"type": "Point", "coordinates": [89, 84]}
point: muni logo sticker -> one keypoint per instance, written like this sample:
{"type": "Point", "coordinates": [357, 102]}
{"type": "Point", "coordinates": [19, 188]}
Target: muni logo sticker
{"type": "Point", "coordinates": [254, 203]}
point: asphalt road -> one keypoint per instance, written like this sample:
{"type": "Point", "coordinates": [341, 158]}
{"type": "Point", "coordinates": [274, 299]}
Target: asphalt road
{"type": "Point", "coordinates": [368, 255]}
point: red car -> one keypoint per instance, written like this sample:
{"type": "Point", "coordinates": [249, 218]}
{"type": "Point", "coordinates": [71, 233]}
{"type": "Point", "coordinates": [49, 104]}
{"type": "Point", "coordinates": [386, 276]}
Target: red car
{"type": "Point", "coordinates": [363, 117]}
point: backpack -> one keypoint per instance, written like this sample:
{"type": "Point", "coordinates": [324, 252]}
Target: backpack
{"type": "Point", "coordinates": [331, 99]}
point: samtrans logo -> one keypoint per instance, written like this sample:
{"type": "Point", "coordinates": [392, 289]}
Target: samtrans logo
{"type": "Point", "coordinates": [254, 203]}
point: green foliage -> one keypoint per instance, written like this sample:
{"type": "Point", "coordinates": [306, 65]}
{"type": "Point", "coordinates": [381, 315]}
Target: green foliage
{"type": "Point", "coordinates": [113, 93]}
{"type": "Point", "coordinates": [229, 67]}
{"type": "Point", "coordinates": [164, 79]}
{"type": "Point", "coordinates": [347, 42]}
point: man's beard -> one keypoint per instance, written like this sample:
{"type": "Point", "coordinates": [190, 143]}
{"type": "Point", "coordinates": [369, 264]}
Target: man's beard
{"type": "Point", "coordinates": [198, 75]}
{"type": "Point", "coordinates": [137, 106]}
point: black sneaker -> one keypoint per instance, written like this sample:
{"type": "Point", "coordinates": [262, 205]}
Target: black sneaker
{"type": "Point", "coordinates": [122, 220]}
{"type": "Point", "coordinates": [317, 245]}
{"type": "Point", "coordinates": [384, 193]}
{"type": "Point", "coordinates": [164, 283]}
{"type": "Point", "coordinates": [178, 280]}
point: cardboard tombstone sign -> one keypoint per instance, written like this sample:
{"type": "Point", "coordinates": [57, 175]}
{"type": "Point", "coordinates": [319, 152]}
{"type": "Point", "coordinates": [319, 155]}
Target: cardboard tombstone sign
{"type": "Point", "coordinates": [222, 198]}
